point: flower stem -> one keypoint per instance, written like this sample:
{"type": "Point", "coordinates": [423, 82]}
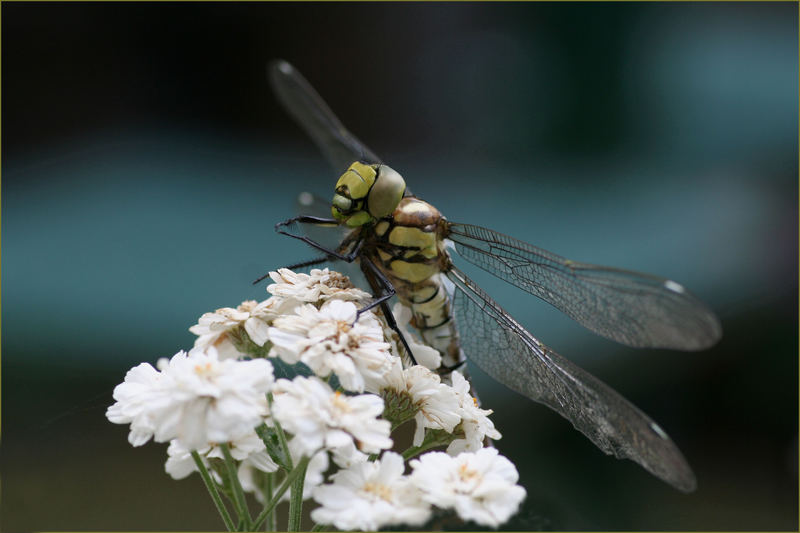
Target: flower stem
{"type": "Point", "coordinates": [284, 444]}
{"type": "Point", "coordinates": [276, 498]}
{"type": "Point", "coordinates": [319, 527]}
{"type": "Point", "coordinates": [296, 500]}
{"type": "Point", "coordinates": [212, 490]}
{"type": "Point", "coordinates": [281, 436]}
{"type": "Point", "coordinates": [413, 451]}
{"type": "Point", "coordinates": [236, 487]}
{"type": "Point", "coordinates": [271, 523]}
{"type": "Point", "coordinates": [433, 439]}
{"type": "Point", "coordinates": [397, 423]}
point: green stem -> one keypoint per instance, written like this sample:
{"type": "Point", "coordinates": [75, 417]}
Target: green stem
{"type": "Point", "coordinates": [284, 444]}
{"type": "Point", "coordinates": [276, 498]}
{"type": "Point", "coordinates": [271, 523]}
{"type": "Point", "coordinates": [319, 527]}
{"type": "Point", "coordinates": [413, 451]}
{"type": "Point", "coordinates": [212, 490]}
{"type": "Point", "coordinates": [281, 436]}
{"type": "Point", "coordinates": [296, 500]}
{"type": "Point", "coordinates": [238, 494]}
{"type": "Point", "coordinates": [397, 423]}
{"type": "Point", "coordinates": [433, 439]}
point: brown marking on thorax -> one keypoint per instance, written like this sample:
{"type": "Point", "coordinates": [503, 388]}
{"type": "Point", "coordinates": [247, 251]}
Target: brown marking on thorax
{"type": "Point", "coordinates": [413, 212]}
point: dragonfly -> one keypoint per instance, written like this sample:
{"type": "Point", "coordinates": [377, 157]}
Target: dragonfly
{"type": "Point", "coordinates": [404, 246]}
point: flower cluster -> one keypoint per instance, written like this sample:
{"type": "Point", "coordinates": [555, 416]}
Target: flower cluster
{"type": "Point", "coordinates": [194, 398]}
{"type": "Point", "coordinates": [226, 416]}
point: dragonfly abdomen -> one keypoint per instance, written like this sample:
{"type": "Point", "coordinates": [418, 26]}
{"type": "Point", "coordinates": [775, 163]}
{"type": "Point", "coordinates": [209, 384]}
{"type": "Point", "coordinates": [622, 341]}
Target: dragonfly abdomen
{"type": "Point", "coordinates": [433, 318]}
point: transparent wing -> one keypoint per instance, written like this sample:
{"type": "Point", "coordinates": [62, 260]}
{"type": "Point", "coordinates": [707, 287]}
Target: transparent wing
{"type": "Point", "coordinates": [507, 352]}
{"type": "Point", "coordinates": [303, 103]}
{"type": "Point", "coordinates": [635, 309]}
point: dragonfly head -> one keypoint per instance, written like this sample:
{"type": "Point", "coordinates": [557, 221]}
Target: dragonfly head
{"type": "Point", "coordinates": [365, 193]}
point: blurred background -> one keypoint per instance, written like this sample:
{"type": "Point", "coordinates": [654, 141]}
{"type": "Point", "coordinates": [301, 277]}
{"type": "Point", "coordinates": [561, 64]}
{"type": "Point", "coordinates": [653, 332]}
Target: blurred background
{"type": "Point", "coordinates": [145, 162]}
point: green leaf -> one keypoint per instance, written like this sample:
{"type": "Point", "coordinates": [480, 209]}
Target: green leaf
{"type": "Point", "coordinates": [272, 441]}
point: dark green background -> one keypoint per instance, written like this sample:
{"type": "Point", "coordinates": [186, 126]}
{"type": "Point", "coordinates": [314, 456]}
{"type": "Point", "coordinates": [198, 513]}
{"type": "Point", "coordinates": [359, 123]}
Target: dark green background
{"type": "Point", "coordinates": [145, 163]}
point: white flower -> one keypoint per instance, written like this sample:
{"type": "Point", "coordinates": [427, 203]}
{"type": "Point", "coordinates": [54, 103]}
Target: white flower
{"type": "Point", "coordinates": [180, 462]}
{"type": "Point", "coordinates": [318, 285]}
{"type": "Point", "coordinates": [423, 354]}
{"type": "Point", "coordinates": [348, 455]}
{"type": "Point", "coordinates": [134, 398]}
{"type": "Point", "coordinates": [317, 417]}
{"type": "Point", "coordinates": [474, 420]}
{"type": "Point", "coordinates": [213, 329]}
{"type": "Point", "coordinates": [480, 486]}
{"type": "Point", "coordinates": [436, 403]}
{"type": "Point", "coordinates": [248, 449]}
{"type": "Point", "coordinates": [369, 496]}
{"type": "Point", "coordinates": [329, 340]}
{"type": "Point", "coordinates": [195, 398]}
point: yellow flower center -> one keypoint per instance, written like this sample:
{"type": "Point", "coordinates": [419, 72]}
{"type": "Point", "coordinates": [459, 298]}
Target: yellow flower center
{"type": "Point", "coordinates": [379, 490]}
{"type": "Point", "coordinates": [339, 402]}
{"type": "Point", "coordinates": [247, 305]}
{"type": "Point", "coordinates": [466, 474]}
{"type": "Point", "coordinates": [203, 369]}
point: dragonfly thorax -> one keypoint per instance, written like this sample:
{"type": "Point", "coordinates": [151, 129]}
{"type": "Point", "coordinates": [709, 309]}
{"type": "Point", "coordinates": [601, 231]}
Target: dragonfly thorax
{"type": "Point", "coordinates": [409, 248]}
{"type": "Point", "coordinates": [366, 193]}
{"type": "Point", "coordinates": [409, 243]}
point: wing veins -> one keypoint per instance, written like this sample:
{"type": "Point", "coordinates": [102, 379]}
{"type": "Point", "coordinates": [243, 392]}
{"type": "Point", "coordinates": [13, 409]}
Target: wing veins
{"type": "Point", "coordinates": [625, 306]}
{"type": "Point", "coordinates": [503, 320]}
{"type": "Point", "coordinates": [310, 111]}
{"type": "Point", "coordinates": [606, 418]}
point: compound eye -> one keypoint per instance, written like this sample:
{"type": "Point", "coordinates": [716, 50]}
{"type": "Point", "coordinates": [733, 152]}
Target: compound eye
{"type": "Point", "coordinates": [386, 193]}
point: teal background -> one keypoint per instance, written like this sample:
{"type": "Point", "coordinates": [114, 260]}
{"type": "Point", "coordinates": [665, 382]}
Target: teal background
{"type": "Point", "coordinates": [145, 163]}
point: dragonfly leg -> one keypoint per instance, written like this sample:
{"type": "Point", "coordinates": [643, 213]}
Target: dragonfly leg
{"type": "Point", "coordinates": [381, 285]}
{"type": "Point", "coordinates": [306, 219]}
{"type": "Point", "coordinates": [330, 255]}
{"type": "Point", "coordinates": [312, 262]}
{"type": "Point", "coordinates": [447, 369]}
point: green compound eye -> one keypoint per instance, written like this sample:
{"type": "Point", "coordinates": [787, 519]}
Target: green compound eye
{"type": "Point", "coordinates": [386, 193]}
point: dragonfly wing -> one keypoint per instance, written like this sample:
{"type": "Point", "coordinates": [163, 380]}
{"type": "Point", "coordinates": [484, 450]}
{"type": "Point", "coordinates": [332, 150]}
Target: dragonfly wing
{"type": "Point", "coordinates": [309, 110]}
{"type": "Point", "coordinates": [507, 352]}
{"type": "Point", "coordinates": [628, 307]}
